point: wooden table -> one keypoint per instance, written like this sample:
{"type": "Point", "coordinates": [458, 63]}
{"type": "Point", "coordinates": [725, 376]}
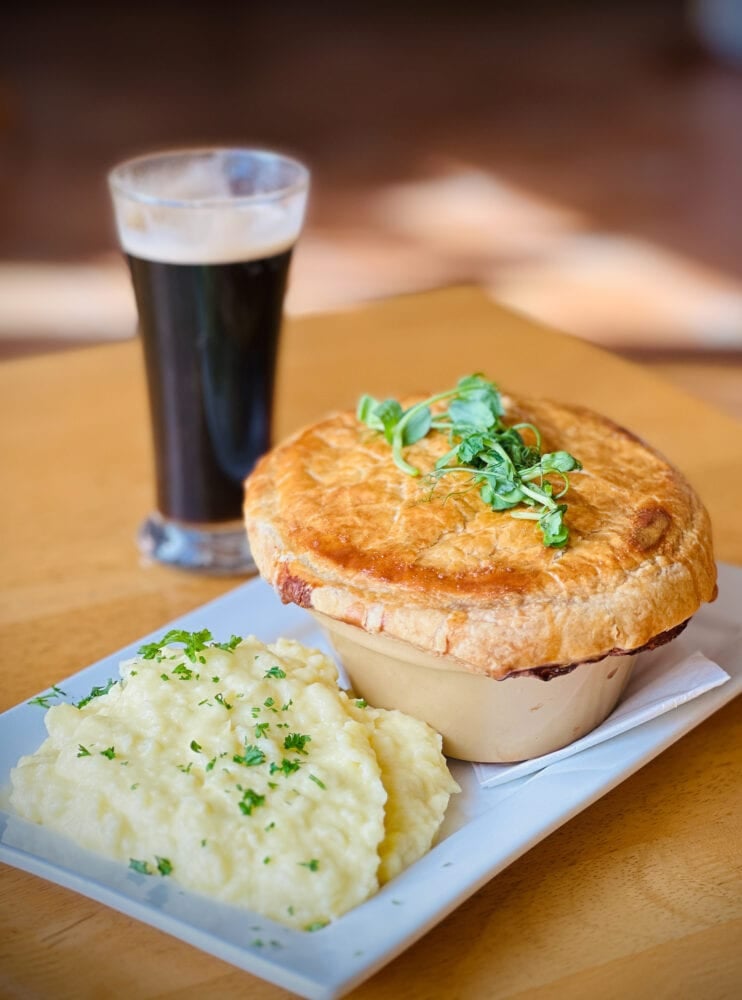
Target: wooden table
{"type": "Point", "coordinates": [639, 895]}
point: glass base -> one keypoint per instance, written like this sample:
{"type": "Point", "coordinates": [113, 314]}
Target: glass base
{"type": "Point", "coordinates": [218, 549]}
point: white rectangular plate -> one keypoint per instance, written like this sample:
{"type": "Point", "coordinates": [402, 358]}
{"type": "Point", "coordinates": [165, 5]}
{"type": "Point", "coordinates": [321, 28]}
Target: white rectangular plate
{"type": "Point", "coordinates": [484, 831]}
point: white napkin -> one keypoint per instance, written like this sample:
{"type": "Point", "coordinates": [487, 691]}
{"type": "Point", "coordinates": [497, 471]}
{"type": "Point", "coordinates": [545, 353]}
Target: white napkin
{"type": "Point", "coordinates": [659, 683]}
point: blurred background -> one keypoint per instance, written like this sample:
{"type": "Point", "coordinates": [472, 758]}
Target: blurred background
{"type": "Point", "coordinates": [580, 160]}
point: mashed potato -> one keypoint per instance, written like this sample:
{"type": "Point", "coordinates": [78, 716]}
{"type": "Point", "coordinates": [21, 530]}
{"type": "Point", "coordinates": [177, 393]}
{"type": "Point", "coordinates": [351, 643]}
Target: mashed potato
{"type": "Point", "coordinates": [243, 772]}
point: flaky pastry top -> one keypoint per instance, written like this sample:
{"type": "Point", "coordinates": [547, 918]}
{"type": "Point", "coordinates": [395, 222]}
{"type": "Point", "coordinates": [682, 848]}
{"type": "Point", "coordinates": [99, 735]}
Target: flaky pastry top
{"type": "Point", "coordinates": [335, 526]}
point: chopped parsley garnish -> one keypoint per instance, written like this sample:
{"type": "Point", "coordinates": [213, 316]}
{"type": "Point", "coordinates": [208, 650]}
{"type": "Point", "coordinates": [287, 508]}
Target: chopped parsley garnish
{"type": "Point", "coordinates": [252, 756]}
{"type": "Point", "coordinates": [196, 747]}
{"type": "Point", "coordinates": [164, 677]}
{"type": "Point", "coordinates": [286, 767]}
{"type": "Point", "coordinates": [193, 643]}
{"type": "Point", "coordinates": [210, 765]}
{"type": "Point", "coordinates": [270, 826]}
{"type": "Point", "coordinates": [108, 752]}
{"type": "Point", "coordinates": [222, 701]}
{"type": "Point", "coordinates": [250, 800]}
{"type": "Point", "coordinates": [215, 680]}
{"type": "Point", "coordinates": [275, 672]}
{"type": "Point", "coordinates": [164, 867]}
{"type": "Point", "coordinates": [97, 692]}
{"type": "Point", "coordinates": [261, 729]}
{"type": "Point", "coordinates": [185, 768]}
{"type": "Point", "coordinates": [296, 741]}
{"type": "Point", "coordinates": [266, 860]}
{"type": "Point", "coordinates": [42, 700]}
{"type": "Point", "coordinates": [508, 472]}
{"type": "Point", "coordinates": [361, 703]}
{"type": "Point", "coordinates": [312, 865]}
{"type": "Point", "coordinates": [82, 751]}
{"type": "Point", "coordinates": [287, 706]}
{"type": "Point", "coordinates": [315, 779]}
{"type": "Point", "coordinates": [316, 926]}
{"type": "Point", "coordinates": [229, 647]}
{"type": "Point", "coordinates": [183, 672]}
{"type": "Point", "coordinates": [140, 866]}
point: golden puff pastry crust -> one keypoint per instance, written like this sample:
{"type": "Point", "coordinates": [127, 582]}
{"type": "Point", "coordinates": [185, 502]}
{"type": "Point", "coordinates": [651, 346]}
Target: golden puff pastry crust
{"type": "Point", "coordinates": [335, 526]}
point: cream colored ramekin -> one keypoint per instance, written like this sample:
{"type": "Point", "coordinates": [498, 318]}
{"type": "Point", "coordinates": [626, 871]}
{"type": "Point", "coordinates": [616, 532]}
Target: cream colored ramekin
{"type": "Point", "coordinates": [480, 719]}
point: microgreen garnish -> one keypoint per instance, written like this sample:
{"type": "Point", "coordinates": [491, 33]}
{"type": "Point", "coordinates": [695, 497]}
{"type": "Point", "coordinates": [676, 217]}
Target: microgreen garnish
{"type": "Point", "coordinates": [43, 700]}
{"type": "Point", "coordinates": [96, 692]}
{"type": "Point", "coordinates": [250, 800]}
{"type": "Point", "coordinates": [507, 470]}
{"type": "Point", "coordinates": [251, 758]}
{"type": "Point", "coordinates": [109, 752]}
{"type": "Point", "coordinates": [315, 779]}
{"type": "Point", "coordinates": [312, 865]}
{"type": "Point", "coordinates": [275, 672]}
{"type": "Point", "coordinates": [140, 866]}
{"type": "Point", "coordinates": [296, 741]}
{"type": "Point", "coordinates": [164, 866]}
{"type": "Point", "coordinates": [82, 751]}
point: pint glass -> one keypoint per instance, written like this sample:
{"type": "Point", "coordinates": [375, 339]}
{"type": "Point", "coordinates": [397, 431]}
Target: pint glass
{"type": "Point", "coordinates": [208, 235]}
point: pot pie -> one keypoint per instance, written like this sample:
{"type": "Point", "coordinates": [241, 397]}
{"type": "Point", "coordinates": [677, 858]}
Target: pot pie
{"type": "Point", "coordinates": [446, 609]}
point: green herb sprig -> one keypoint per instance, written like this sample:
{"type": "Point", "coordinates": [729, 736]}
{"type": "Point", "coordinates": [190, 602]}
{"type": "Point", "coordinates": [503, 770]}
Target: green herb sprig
{"type": "Point", "coordinates": [510, 473]}
{"type": "Point", "coordinates": [193, 645]}
{"type": "Point", "coordinates": [97, 691]}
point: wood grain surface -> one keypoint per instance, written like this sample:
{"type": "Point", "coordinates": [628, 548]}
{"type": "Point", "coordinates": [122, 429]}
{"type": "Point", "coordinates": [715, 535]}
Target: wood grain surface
{"type": "Point", "coordinates": [640, 895]}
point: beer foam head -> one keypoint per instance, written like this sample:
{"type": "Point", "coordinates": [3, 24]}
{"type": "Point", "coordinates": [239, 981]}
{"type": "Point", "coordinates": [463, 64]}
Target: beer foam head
{"type": "Point", "coordinates": [209, 206]}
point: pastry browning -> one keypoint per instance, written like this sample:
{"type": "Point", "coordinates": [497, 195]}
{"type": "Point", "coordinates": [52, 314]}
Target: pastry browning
{"type": "Point", "coordinates": [335, 526]}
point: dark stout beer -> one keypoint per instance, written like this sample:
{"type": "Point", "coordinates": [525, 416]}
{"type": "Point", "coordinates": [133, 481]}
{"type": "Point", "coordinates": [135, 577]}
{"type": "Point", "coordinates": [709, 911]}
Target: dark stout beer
{"type": "Point", "coordinates": [208, 234]}
{"type": "Point", "coordinates": [210, 335]}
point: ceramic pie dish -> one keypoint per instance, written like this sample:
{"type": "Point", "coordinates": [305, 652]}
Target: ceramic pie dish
{"type": "Point", "coordinates": [456, 613]}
